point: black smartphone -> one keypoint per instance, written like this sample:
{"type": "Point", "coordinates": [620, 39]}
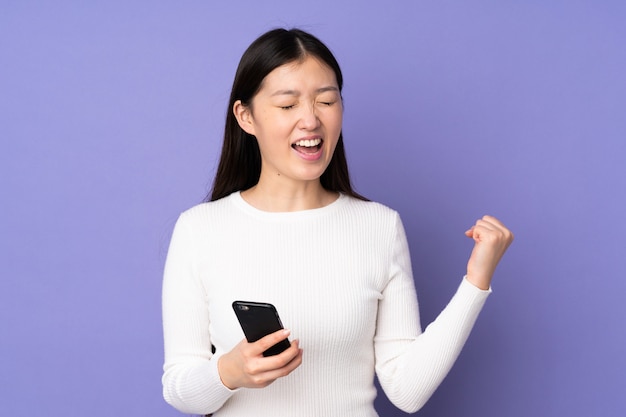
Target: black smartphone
{"type": "Point", "coordinates": [258, 320]}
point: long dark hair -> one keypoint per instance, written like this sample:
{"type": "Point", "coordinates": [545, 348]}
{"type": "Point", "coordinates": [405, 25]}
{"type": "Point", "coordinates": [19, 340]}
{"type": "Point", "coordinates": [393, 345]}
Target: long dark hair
{"type": "Point", "coordinates": [240, 163]}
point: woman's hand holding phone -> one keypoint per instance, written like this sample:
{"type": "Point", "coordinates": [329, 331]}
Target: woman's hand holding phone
{"type": "Point", "coordinates": [246, 367]}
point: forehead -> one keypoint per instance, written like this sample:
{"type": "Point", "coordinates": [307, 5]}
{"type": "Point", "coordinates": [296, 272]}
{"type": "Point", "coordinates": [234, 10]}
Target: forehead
{"type": "Point", "coordinates": [309, 74]}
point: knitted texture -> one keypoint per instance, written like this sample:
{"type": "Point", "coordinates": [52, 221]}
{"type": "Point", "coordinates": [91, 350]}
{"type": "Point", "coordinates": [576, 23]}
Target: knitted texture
{"type": "Point", "coordinates": [340, 277]}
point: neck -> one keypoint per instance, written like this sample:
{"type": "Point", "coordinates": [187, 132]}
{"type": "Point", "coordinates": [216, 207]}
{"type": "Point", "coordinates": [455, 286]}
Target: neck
{"type": "Point", "coordinates": [283, 198]}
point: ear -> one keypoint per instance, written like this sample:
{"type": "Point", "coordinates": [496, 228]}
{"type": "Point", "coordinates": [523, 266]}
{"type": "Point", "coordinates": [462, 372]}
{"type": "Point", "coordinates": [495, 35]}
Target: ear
{"type": "Point", "coordinates": [244, 117]}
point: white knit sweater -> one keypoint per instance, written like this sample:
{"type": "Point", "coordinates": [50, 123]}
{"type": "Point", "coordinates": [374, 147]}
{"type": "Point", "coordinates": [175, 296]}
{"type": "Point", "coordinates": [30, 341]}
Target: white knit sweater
{"type": "Point", "coordinates": [340, 277]}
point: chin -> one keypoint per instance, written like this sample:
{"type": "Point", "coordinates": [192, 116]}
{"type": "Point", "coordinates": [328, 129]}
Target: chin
{"type": "Point", "coordinates": [309, 176]}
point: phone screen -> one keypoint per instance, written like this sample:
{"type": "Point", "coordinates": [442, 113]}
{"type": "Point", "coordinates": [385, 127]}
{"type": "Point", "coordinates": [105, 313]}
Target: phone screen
{"type": "Point", "coordinates": [258, 320]}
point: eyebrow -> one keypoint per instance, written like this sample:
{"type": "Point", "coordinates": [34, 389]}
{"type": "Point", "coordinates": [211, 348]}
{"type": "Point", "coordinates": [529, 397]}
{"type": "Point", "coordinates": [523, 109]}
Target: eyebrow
{"type": "Point", "coordinates": [297, 93]}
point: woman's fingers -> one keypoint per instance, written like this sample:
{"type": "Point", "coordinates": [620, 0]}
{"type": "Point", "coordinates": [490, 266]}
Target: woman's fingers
{"type": "Point", "coordinates": [491, 230]}
{"type": "Point", "coordinates": [268, 369]}
{"type": "Point", "coordinates": [271, 339]}
{"type": "Point", "coordinates": [245, 365]}
{"type": "Point", "coordinates": [491, 240]}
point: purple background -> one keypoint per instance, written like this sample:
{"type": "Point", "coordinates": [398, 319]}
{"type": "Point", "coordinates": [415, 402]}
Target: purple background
{"type": "Point", "coordinates": [110, 120]}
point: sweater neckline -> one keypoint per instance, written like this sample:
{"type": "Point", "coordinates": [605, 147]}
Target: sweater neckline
{"type": "Point", "coordinates": [242, 204]}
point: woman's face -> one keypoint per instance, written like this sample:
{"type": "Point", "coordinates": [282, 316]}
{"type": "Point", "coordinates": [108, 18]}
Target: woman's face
{"type": "Point", "coordinates": [296, 117]}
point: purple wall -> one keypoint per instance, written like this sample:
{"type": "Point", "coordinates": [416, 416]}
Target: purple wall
{"type": "Point", "coordinates": [110, 124]}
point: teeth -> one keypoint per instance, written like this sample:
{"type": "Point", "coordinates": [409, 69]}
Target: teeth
{"type": "Point", "coordinates": [308, 143]}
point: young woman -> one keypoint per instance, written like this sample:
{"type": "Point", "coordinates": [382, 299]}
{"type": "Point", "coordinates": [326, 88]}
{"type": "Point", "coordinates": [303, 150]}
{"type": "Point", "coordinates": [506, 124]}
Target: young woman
{"type": "Point", "coordinates": [285, 227]}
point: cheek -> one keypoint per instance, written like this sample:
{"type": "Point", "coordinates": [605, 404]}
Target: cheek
{"type": "Point", "coordinates": [335, 122]}
{"type": "Point", "coordinates": [272, 125]}
{"type": "Point", "coordinates": [281, 119]}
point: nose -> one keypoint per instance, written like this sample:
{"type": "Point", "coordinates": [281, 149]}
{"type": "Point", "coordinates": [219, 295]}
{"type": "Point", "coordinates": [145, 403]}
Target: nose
{"type": "Point", "coordinates": [309, 119]}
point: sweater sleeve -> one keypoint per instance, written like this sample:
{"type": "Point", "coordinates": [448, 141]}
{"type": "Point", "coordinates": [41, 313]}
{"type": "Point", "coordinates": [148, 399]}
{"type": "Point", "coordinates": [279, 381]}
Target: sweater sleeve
{"type": "Point", "coordinates": [191, 382]}
{"type": "Point", "coordinates": [410, 364]}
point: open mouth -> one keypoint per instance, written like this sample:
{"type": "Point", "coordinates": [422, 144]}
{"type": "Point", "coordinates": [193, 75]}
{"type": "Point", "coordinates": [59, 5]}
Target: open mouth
{"type": "Point", "coordinates": [308, 146]}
